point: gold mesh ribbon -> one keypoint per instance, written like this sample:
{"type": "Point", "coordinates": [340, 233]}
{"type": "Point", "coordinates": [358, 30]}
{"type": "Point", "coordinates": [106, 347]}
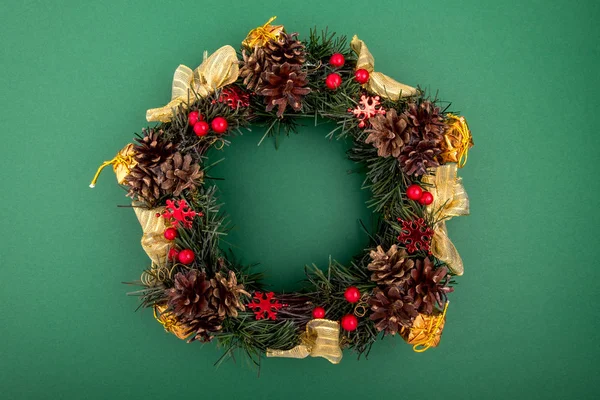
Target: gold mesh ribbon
{"type": "Point", "coordinates": [321, 339]}
{"type": "Point", "coordinates": [122, 164]}
{"type": "Point", "coordinates": [216, 71]}
{"type": "Point", "coordinates": [426, 331]}
{"type": "Point", "coordinates": [153, 241]}
{"type": "Point", "coordinates": [450, 200]}
{"type": "Point", "coordinates": [170, 323]}
{"type": "Point", "coordinates": [378, 83]}
{"type": "Point", "coordinates": [457, 141]}
{"type": "Point", "coordinates": [261, 35]}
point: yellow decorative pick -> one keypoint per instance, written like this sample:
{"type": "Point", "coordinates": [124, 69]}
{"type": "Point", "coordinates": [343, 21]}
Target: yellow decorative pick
{"type": "Point", "coordinates": [378, 83]}
{"type": "Point", "coordinates": [153, 240]}
{"type": "Point", "coordinates": [261, 35]}
{"type": "Point", "coordinates": [426, 331]}
{"type": "Point", "coordinates": [216, 71]}
{"type": "Point", "coordinates": [457, 141]}
{"type": "Point", "coordinates": [321, 339]}
{"type": "Point", "coordinates": [122, 164]}
{"type": "Point", "coordinates": [449, 200]}
{"type": "Point", "coordinates": [170, 323]}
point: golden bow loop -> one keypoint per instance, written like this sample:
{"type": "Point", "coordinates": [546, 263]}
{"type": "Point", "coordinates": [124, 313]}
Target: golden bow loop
{"type": "Point", "coordinates": [450, 200]}
{"type": "Point", "coordinates": [153, 240]}
{"type": "Point", "coordinates": [321, 339]}
{"type": "Point", "coordinates": [378, 83]}
{"type": "Point", "coordinates": [216, 71]}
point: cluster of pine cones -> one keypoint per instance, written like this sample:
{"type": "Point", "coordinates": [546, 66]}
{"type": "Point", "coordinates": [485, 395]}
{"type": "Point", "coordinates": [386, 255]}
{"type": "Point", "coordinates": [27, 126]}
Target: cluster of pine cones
{"type": "Point", "coordinates": [274, 71]}
{"type": "Point", "coordinates": [160, 170]}
{"type": "Point", "coordinates": [405, 287]}
{"type": "Point", "coordinates": [414, 137]}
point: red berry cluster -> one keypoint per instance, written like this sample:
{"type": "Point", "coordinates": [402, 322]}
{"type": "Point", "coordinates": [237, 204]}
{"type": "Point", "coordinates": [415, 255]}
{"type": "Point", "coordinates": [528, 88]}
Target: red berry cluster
{"type": "Point", "coordinates": [334, 80]}
{"type": "Point", "coordinates": [416, 193]}
{"type": "Point", "coordinates": [200, 126]}
{"type": "Point", "coordinates": [349, 322]}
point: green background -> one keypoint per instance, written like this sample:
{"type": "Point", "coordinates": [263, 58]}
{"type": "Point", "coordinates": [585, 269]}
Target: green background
{"type": "Point", "coordinates": [76, 79]}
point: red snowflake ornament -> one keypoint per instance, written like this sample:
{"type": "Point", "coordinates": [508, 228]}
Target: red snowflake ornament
{"type": "Point", "coordinates": [234, 98]}
{"type": "Point", "coordinates": [415, 235]}
{"type": "Point", "coordinates": [367, 107]}
{"type": "Point", "coordinates": [179, 213]}
{"type": "Point", "coordinates": [264, 305]}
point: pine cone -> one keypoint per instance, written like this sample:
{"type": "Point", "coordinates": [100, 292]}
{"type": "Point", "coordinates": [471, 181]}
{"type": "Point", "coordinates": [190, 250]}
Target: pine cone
{"type": "Point", "coordinates": [152, 149]}
{"type": "Point", "coordinates": [189, 297]}
{"type": "Point", "coordinates": [391, 268]}
{"type": "Point", "coordinates": [226, 295]}
{"type": "Point", "coordinates": [428, 286]}
{"type": "Point", "coordinates": [415, 159]}
{"type": "Point", "coordinates": [252, 68]}
{"type": "Point", "coordinates": [203, 327]}
{"type": "Point", "coordinates": [389, 133]}
{"type": "Point", "coordinates": [425, 120]}
{"type": "Point", "coordinates": [286, 49]}
{"type": "Point", "coordinates": [145, 184]}
{"type": "Point", "coordinates": [180, 173]}
{"type": "Point", "coordinates": [284, 84]}
{"type": "Point", "coordinates": [391, 309]}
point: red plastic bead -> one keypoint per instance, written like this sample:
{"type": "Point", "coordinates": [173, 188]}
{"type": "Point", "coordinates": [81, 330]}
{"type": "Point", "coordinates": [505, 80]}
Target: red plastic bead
{"type": "Point", "coordinates": [318, 313]}
{"type": "Point", "coordinates": [333, 81]}
{"type": "Point", "coordinates": [352, 294]}
{"type": "Point", "coordinates": [194, 117]}
{"type": "Point", "coordinates": [186, 256]}
{"type": "Point", "coordinates": [349, 322]}
{"type": "Point", "coordinates": [170, 233]}
{"type": "Point", "coordinates": [219, 125]}
{"type": "Point", "coordinates": [414, 192]}
{"type": "Point", "coordinates": [361, 76]}
{"type": "Point", "coordinates": [337, 60]}
{"type": "Point", "coordinates": [201, 128]}
{"type": "Point", "coordinates": [426, 198]}
{"type": "Point", "coordinates": [173, 253]}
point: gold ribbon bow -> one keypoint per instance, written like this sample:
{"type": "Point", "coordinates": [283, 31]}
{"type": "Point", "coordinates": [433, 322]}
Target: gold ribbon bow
{"type": "Point", "coordinates": [263, 34]}
{"type": "Point", "coordinates": [378, 83]}
{"type": "Point", "coordinates": [170, 322]}
{"type": "Point", "coordinates": [426, 330]}
{"type": "Point", "coordinates": [153, 240]}
{"type": "Point", "coordinates": [449, 200]}
{"type": "Point", "coordinates": [216, 71]}
{"type": "Point", "coordinates": [321, 339]}
{"type": "Point", "coordinates": [122, 164]}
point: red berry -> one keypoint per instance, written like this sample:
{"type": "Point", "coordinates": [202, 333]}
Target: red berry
{"type": "Point", "coordinates": [414, 192]}
{"type": "Point", "coordinates": [426, 198]}
{"type": "Point", "coordinates": [337, 60]}
{"type": "Point", "coordinates": [173, 254]}
{"type": "Point", "coordinates": [186, 256]}
{"type": "Point", "coordinates": [201, 128]}
{"type": "Point", "coordinates": [349, 322]}
{"type": "Point", "coordinates": [219, 125]}
{"type": "Point", "coordinates": [352, 294]}
{"type": "Point", "coordinates": [170, 233]}
{"type": "Point", "coordinates": [194, 117]}
{"type": "Point", "coordinates": [319, 312]}
{"type": "Point", "coordinates": [361, 76]}
{"type": "Point", "coordinates": [333, 81]}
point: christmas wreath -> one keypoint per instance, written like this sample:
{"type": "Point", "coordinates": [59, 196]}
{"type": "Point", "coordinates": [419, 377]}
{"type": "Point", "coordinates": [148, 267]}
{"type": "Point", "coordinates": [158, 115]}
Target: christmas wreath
{"type": "Point", "coordinates": [410, 148]}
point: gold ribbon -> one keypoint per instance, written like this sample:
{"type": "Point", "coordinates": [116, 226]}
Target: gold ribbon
{"type": "Point", "coordinates": [378, 83]}
{"type": "Point", "coordinates": [321, 339]}
{"type": "Point", "coordinates": [457, 141]}
{"type": "Point", "coordinates": [449, 200]}
{"type": "Point", "coordinates": [122, 164]}
{"type": "Point", "coordinates": [261, 35]}
{"type": "Point", "coordinates": [170, 322]}
{"type": "Point", "coordinates": [153, 240]}
{"type": "Point", "coordinates": [216, 71]}
{"type": "Point", "coordinates": [426, 331]}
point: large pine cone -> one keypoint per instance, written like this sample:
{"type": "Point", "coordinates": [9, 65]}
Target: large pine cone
{"type": "Point", "coordinates": [391, 268]}
{"type": "Point", "coordinates": [428, 286]}
{"type": "Point", "coordinates": [253, 66]}
{"type": "Point", "coordinates": [416, 159]}
{"type": "Point", "coordinates": [203, 327]}
{"type": "Point", "coordinates": [286, 49]}
{"type": "Point", "coordinates": [283, 85]}
{"type": "Point", "coordinates": [145, 184]}
{"type": "Point", "coordinates": [190, 294]}
{"type": "Point", "coordinates": [152, 149]}
{"type": "Point", "coordinates": [180, 173]}
{"type": "Point", "coordinates": [391, 309]}
{"type": "Point", "coordinates": [226, 295]}
{"type": "Point", "coordinates": [389, 133]}
{"type": "Point", "coordinates": [425, 120]}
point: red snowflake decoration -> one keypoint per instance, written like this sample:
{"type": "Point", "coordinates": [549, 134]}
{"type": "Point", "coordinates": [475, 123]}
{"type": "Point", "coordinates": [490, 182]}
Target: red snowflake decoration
{"type": "Point", "coordinates": [367, 107]}
{"type": "Point", "coordinates": [234, 98]}
{"type": "Point", "coordinates": [180, 213]}
{"type": "Point", "coordinates": [415, 235]}
{"type": "Point", "coordinates": [264, 305]}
